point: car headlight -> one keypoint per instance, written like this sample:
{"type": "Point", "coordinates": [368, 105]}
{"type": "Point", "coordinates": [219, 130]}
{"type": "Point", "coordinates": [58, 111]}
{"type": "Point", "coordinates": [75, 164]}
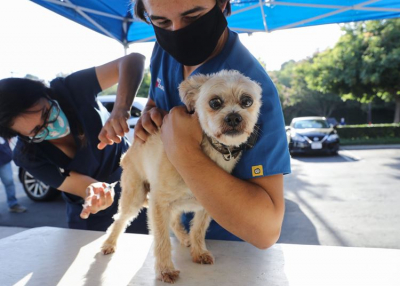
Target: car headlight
{"type": "Point", "coordinates": [297, 137]}
{"type": "Point", "coordinates": [333, 137]}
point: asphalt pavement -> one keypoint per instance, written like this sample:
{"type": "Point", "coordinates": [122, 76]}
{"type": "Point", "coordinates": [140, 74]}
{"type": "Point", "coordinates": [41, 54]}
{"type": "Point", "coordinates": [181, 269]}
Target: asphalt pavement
{"type": "Point", "coordinates": [351, 199]}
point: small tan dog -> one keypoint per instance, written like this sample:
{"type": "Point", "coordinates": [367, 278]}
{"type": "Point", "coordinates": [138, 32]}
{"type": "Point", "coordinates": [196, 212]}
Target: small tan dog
{"type": "Point", "coordinates": [228, 105]}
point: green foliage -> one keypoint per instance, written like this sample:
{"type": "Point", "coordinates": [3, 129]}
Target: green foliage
{"type": "Point", "coordinates": [145, 86]}
{"type": "Point", "coordinates": [370, 141]}
{"type": "Point", "coordinates": [296, 97]}
{"type": "Point", "coordinates": [143, 89]}
{"type": "Point", "coordinates": [365, 63]}
{"type": "Point", "coordinates": [355, 132]}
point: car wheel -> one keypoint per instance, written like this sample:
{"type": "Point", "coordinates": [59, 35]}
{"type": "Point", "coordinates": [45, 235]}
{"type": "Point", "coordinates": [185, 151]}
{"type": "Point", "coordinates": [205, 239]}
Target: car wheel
{"type": "Point", "coordinates": [37, 190]}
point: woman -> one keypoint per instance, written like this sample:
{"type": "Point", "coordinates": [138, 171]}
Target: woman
{"type": "Point", "coordinates": [58, 129]}
{"type": "Point", "coordinates": [192, 37]}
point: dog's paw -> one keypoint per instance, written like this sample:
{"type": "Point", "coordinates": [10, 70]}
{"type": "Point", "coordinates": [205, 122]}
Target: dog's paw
{"type": "Point", "coordinates": [168, 276]}
{"type": "Point", "coordinates": [185, 241]}
{"type": "Point", "coordinates": [108, 249]}
{"type": "Point", "coordinates": [203, 258]}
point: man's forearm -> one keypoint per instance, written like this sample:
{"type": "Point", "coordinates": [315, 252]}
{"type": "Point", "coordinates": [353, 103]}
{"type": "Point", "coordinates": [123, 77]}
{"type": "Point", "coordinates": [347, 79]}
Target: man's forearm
{"type": "Point", "coordinates": [242, 207]}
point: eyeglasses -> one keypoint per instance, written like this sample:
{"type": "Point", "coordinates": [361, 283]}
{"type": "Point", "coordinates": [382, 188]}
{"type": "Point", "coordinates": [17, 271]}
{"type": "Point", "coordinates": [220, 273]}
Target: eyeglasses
{"type": "Point", "coordinates": [49, 118]}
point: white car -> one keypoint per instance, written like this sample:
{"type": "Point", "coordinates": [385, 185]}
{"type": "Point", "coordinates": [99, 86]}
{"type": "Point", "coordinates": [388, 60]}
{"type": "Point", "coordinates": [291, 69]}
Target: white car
{"type": "Point", "coordinates": [137, 108]}
{"type": "Point", "coordinates": [39, 191]}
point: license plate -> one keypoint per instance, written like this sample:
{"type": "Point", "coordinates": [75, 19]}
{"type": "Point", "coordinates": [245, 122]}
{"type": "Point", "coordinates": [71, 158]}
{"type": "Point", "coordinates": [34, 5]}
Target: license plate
{"type": "Point", "coordinates": [316, 145]}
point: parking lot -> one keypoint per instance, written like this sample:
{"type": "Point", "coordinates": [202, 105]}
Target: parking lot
{"type": "Point", "coordinates": [351, 199]}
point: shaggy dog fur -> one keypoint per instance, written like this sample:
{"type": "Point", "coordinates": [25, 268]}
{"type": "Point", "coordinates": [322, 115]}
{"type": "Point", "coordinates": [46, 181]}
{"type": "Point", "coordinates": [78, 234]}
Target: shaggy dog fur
{"type": "Point", "coordinates": [228, 105]}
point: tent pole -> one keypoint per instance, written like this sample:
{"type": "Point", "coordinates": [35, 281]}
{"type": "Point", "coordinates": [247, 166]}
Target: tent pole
{"type": "Point", "coordinates": [263, 16]}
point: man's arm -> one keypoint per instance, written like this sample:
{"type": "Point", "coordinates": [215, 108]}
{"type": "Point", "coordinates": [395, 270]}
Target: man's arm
{"type": "Point", "coordinates": [252, 210]}
{"type": "Point", "coordinates": [128, 72]}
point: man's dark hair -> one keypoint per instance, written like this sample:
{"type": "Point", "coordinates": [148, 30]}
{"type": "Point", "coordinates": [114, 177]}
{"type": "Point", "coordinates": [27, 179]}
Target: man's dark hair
{"type": "Point", "coordinates": [140, 11]}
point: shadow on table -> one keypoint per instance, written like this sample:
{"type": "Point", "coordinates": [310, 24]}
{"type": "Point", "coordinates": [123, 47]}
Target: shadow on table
{"type": "Point", "coordinates": [297, 228]}
{"type": "Point", "coordinates": [236, 263]}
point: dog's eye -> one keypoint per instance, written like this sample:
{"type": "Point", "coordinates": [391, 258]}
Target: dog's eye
{"type": "Point", "coordinates": [216, 103]}
{"type": "Point", "coordinates": [246, 101]}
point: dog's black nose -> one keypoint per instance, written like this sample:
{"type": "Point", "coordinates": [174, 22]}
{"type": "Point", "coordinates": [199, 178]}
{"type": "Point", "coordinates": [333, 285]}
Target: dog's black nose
{"type": "Point", "coordinates": [233, 119]}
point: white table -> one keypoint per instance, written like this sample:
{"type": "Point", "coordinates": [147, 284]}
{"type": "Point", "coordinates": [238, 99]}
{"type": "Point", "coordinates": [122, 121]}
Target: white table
{"type": "Point", "coordinates": [55, 256]}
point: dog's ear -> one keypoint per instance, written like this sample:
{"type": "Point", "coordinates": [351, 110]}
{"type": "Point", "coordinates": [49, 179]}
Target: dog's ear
{"type": "Point", "coordinates": [189, 89]}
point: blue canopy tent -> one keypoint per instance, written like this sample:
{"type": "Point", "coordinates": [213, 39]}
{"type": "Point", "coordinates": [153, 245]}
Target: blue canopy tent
{"type": "Point", "coordinates": [114, 18]}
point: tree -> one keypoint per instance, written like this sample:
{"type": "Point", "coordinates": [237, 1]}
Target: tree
{"type": "Point", "coordinates": [143, 89]}
{"type": "Point", "coordinates": [296, 97]}
{"type": "Point", "coordinates": [145, 86]}
{"type": "Point", "coordinates": [364, 64]}
{"type": "Point", "coordinates": [320, 103]}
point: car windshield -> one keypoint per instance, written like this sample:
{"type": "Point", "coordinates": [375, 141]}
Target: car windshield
{"type": "Point", "coordinates": [311, 123]}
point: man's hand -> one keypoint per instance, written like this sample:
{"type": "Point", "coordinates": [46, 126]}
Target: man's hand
{"type": "Point", "coordinates": [99, 196]}
{"type": "Point", "coordinates": [115, 128]}
{"type": "Point", "coordinates": [149, 123]}
{"type": "Point", "coordinates": [181, 133]}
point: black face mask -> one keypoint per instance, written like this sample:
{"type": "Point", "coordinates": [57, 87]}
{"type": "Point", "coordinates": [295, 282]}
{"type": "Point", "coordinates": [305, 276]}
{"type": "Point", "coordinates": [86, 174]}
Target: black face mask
{"type": "Point", "coordinates": [193, 44]}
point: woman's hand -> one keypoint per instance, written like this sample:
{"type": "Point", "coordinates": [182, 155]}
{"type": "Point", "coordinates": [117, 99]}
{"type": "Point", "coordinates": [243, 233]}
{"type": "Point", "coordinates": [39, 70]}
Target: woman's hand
{"type": "Point", "coordinates": [99, 196]}
{"type": "Point", "coordinates": [149, 123]}
{"type": "Point", "coordinates": [115, 128]}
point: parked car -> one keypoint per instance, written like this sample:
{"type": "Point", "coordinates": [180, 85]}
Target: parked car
{"type": "Point", "coordinates": [312, 135]}
{"type": "Point", "coordinates": [36, 190]}
{"type": "Point", "coordinates": [137, 108]}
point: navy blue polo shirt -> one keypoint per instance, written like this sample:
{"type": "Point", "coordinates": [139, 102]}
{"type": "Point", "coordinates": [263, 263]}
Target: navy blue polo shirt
{"type": "Point", "coordinates": [270, 155]}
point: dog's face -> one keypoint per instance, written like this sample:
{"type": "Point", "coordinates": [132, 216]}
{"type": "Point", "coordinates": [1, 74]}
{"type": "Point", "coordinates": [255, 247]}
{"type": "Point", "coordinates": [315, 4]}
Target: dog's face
{"type": "Point", "coordinates": [227, 103]}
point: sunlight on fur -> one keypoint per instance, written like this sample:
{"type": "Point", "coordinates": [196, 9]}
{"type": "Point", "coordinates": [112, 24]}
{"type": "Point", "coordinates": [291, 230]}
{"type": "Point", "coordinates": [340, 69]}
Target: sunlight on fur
{"type": "Point", "coordinates": [228, 105]}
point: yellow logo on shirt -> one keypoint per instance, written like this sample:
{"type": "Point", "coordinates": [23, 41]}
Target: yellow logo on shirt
{"type": "Point", "coordinates": [257, 171]}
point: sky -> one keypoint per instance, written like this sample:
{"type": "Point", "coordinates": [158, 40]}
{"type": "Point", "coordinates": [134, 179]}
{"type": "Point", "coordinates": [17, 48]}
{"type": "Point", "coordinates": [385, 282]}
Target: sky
{"type": "Point", "coordinates": [37, 41]}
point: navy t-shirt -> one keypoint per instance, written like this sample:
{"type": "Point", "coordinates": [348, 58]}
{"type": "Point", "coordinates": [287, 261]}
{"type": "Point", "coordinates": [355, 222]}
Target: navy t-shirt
{"type": "Point", "coordinates": [270, 155]}
{"type": "Point", "coordinates": [49, 164]}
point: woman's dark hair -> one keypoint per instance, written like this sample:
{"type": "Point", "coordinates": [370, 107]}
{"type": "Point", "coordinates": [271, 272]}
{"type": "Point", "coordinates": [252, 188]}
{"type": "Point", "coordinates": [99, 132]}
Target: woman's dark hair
{"type": "Point", "coordinates": [17, 95]}
{"type": "Point", "coordinates": [140, 11]}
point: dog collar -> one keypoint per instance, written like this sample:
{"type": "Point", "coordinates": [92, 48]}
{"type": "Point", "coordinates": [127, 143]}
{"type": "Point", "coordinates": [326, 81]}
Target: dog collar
{"type": "Point", "coordinates": [229, 152]}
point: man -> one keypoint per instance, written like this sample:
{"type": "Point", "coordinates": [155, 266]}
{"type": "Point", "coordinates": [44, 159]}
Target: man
{"type": "Point", "coordinates": [192, 37]}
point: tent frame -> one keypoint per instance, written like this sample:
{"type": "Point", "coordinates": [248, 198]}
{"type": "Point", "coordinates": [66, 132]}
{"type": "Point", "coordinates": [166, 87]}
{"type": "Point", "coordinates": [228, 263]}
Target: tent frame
{"type": "Point", "coordinates": [84, 12]}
